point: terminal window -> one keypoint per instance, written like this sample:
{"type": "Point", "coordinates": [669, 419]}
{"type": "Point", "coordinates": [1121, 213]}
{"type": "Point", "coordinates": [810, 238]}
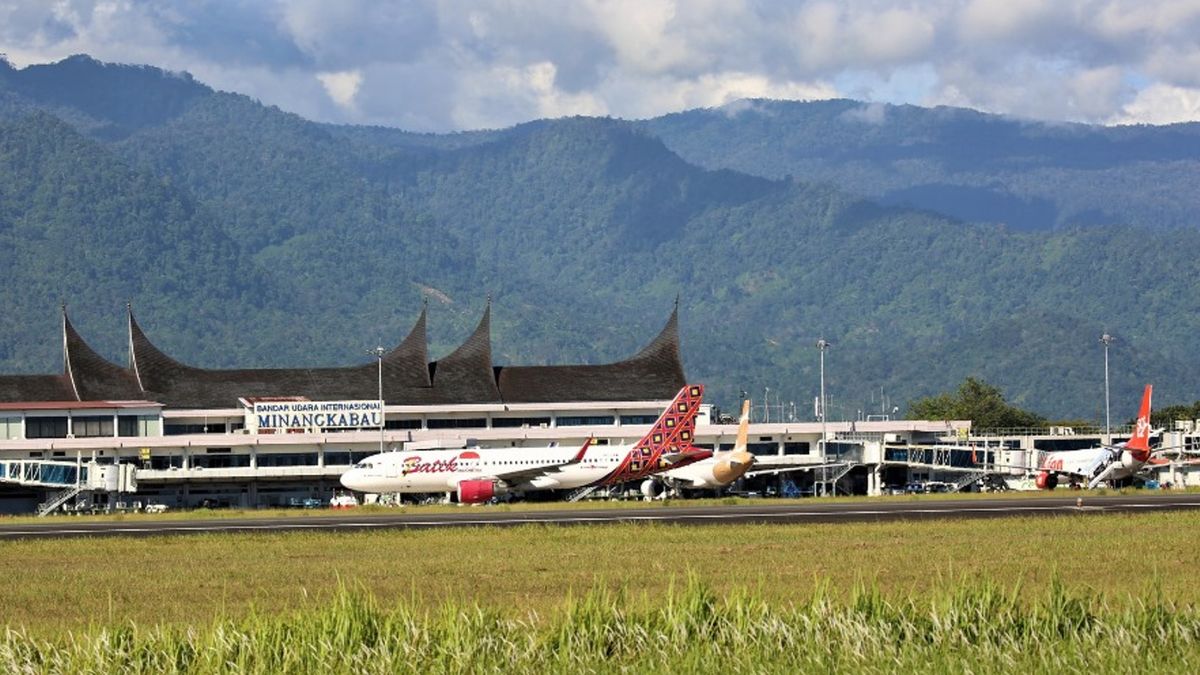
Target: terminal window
{"type": "Point", "coordinates": [92, 427]}
{"type": "Point", "coordinates": [638, 419]}
{"type": "Point", "coordinates": [45, 427]}
{"type": "Point", "coordinates": [181, 429]}
{"type": "Point", "coordinates": [221, 461]}
{"type": "Point", "coordinates": [518, 422]}
{"type": "Point", "coordinates": [584, 421]}
{"type": "Point", "coordinates": [472, 423]}
{"type": "Point", "coordinates": [164, 462]}
{"type": "Point", "coordinates": [287, 459]}
{"type": "Point", "coordinates": [763, 448]}
{"type": "Point", "coordinates": [345, 457]}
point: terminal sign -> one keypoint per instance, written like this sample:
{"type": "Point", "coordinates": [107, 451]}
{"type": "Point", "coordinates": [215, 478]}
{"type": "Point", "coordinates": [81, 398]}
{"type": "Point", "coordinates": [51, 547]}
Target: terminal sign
{"type": "Point", "coordinates": [274, 415]}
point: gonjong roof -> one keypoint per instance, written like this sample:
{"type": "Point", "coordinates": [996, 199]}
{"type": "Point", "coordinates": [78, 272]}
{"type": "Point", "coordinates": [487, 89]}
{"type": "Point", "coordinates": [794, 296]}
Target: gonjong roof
{"type": "Point", "coordinates": [466, 375]}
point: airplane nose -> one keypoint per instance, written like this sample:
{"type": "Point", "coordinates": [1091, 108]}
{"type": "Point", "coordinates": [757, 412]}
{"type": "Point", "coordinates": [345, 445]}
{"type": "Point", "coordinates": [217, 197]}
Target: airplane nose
{"type": "Point", "coordinates": [352, 480]}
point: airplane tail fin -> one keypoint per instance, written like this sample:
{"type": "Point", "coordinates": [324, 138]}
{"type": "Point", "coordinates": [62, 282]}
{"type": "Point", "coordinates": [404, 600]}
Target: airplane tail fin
{"type": "Point", "coordinates": [677, 423]}
{"type": "Point", "coordinates": [743, 428]}
{"type": "Point", "coordinates": [669, 442]}
{"type": "Point", "coordinates": [1139, 444]}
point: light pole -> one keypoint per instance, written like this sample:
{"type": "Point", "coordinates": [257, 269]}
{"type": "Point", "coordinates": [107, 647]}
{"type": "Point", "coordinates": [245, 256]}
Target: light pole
{"type": "Point", "coordinates": [822, 345]}
{"type": "Point", "coordinates": [1106, 340]}
{"type": "Point", "coordinates": [378, 353]}
{"type": "Point", "coordinates": [766, 405]}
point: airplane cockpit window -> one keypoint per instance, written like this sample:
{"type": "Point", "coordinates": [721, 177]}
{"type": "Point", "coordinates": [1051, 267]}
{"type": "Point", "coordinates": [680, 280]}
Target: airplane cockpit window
{"type": "Point", "coordinates": [364, 465]}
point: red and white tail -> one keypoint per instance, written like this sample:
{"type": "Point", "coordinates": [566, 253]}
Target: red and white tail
{"type": "Point", "coordinates": [672, 434]}
{"type": "Point", "coordinates": [1139, 445]}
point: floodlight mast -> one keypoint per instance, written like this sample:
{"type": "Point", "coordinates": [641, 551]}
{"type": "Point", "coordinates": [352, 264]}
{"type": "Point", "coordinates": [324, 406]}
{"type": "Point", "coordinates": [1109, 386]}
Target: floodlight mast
{"type": "Point", "coordinates": [378, 353]}
{"type": "Point", "coordinates": [822, 345]}
{"type": "Point", "coordinates": [1106, 340]}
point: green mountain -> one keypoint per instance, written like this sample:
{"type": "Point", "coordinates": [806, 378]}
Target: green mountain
{"type": "Point", "coordinates": [963, 163]}
{"type": "Point", "coordinates": [249, 236]}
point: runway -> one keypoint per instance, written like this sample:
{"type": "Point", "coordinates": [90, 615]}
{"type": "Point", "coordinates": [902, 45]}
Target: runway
{"type": "Point", "coordinates": [675, 512]}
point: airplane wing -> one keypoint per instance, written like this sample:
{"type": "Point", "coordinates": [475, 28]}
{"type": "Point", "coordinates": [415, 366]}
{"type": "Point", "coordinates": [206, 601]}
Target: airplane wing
{"type": "Point", "coordinates": [775, 470]}
{"type": "Point", "coordinates": [529, 473]}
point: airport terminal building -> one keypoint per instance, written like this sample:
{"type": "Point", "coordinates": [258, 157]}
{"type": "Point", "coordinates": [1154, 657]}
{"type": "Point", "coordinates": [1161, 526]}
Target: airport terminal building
{"type": "Point", "coordinates": [158, 431]}
{"type": "Point", "coordinates": [185, 436]}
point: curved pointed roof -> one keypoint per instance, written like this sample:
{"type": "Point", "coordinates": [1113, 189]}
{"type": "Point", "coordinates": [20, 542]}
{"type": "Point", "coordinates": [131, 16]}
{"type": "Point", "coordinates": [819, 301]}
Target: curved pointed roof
{"type": "Point", "coordinates": [466, 374]}
{"type": "Point", "coordinates": [407, 364]}
{"type": "Point", "coordinates": [654, 373]}
{"type": "Point", "coordinates": [91, 376]}
{"type": "Point", "coordinates": [181, 385]}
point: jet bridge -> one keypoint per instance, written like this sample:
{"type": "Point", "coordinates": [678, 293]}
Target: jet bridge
{"type": "Point", "coordinates": [969, 463]}
{"type": "Point", "coordinates": [64, 480]}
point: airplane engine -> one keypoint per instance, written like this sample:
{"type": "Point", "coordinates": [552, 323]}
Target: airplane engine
{"type": "Point", "coordinates": [1128, 460]}
{"type": "Point", "coordinates": [479, 491]}
{"type": "Point", "coordinates": [651, 488]}
{"type": "Point", "coordinates": [1046, 481]}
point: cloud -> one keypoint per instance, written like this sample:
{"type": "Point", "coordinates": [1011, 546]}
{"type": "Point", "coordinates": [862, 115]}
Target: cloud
{"type": "Point", "coordinates": [1161, 104]}
{"type": "Point", "coordinates": [871, 113]}
{"type": "Point", "coordinates": [445, 64]}
{"type": "Point", "coordinates": [342, 86]}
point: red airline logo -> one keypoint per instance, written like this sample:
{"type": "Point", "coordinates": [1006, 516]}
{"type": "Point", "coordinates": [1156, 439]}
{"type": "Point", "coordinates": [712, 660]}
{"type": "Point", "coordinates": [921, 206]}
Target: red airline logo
{"type": "Point", "coordinates": [415, 465]}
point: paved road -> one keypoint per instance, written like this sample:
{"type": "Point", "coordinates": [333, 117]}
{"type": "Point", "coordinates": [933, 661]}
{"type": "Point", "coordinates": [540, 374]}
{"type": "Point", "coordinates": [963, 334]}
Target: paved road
{"type": "Point", "coordinates": [793, 512]}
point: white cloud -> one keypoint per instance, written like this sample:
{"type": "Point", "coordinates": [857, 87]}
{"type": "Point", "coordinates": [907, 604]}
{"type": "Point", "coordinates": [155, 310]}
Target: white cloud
{"type": "Point", "coordinates": [1161, 104]}
{"type": "Point", "coordinates": [871, 113]}
{"type": "Point", "coordinates": [443, 64]}
{"type": "Point", "coordinates": [342, 86]}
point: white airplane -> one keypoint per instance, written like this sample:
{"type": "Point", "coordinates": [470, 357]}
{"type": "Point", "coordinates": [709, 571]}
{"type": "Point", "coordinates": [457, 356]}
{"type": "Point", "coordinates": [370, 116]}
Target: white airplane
{"type": "Point", "coordinates": [1096, 465]}
{"type": "Point", "coordinates": [479, 474]}
{"type": "Point", "coordinates": [713, 473]}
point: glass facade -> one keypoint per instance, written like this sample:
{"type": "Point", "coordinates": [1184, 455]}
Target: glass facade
{"type": "Point", "coordinates": [46, 427]}
{"type": "Point", "coordinates": [585, 421]}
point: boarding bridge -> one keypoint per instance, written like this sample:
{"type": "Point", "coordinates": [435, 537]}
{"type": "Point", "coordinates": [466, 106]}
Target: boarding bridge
{"type": "Point", "coordinates": [971, 463]}
{"type": "Point", "coordinates": [66, 480]}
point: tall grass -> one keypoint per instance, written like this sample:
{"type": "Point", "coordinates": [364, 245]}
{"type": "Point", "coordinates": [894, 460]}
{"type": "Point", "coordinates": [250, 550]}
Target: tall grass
{"type": "Point", "coordinates": [977, 627]}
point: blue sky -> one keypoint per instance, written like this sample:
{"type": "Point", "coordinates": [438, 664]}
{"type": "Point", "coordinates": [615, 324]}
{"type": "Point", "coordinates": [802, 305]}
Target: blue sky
{"type": "Point", "coordinates": [439, 65]}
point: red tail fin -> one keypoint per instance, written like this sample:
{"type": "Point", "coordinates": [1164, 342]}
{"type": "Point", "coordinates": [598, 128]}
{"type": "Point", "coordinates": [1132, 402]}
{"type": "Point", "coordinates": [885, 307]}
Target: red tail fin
{"type": "Point", "coordinates": [673, 432]}
{"type": "Point", "coordinates": [1139, 445]}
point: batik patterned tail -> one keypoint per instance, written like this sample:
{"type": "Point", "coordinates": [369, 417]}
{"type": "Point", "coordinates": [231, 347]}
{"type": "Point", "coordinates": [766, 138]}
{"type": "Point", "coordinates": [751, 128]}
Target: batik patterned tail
{"type": "Point", "coordinates": [672, 433]}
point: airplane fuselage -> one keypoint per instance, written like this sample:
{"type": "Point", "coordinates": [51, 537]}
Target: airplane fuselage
{"type": "Point", "coordinates": [1083, 465]}
{"type": "Point", "coordinates": [425, 471]}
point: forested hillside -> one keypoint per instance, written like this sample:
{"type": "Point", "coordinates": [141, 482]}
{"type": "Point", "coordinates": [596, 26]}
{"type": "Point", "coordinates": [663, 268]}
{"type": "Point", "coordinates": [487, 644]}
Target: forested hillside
{"type": "Point", "coordinates": [248, 236]}
{"type": "Point", "coordinates": [974, 166]}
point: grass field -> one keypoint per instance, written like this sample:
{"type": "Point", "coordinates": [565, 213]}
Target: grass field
{"type": "Point", "coordinates": [1077, 593]}
{"type": "Point", "coordinates": [971, 627]}
{"type": "Point", "coordinates": [51, 585]}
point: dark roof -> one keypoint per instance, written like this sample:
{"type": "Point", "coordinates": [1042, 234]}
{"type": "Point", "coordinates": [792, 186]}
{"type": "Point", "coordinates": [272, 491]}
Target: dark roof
{"type": "Point", "coordinates": [655, 373]}
{"type": "Point", "coordinates": [91, 376]}
{"type": "Point", "coordinates": [22, 388]}
{"type": "Point", "coordinates": [466, 375]}
{"type": "Point", "coordinates": [184, 386]}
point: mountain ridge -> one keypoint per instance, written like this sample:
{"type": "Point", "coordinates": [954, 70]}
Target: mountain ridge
{"type": "Point", "coordinates": [583, 230]}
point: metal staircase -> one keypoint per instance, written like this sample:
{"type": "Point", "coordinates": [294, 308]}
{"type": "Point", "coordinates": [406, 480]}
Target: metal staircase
{"type": "Point", "coordinates": [967, 480]}
{"type": "Point", "coordinates": [582, 492]}
{"type": "Point", "coordinates": [831, 484]}
{"type": "Point", "coordinates": [57, 499]}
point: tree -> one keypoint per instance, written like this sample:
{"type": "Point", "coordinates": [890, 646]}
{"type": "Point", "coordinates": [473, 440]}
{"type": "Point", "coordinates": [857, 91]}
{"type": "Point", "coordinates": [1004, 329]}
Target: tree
{"type": "Point", "coordinates": [977, 401]}
{"type": "Point", "coordinates": [1166, 416]}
